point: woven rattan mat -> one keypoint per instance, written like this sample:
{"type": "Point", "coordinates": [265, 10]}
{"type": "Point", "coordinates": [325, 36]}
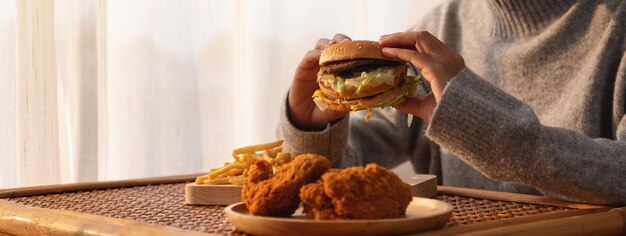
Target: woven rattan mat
{"type": "Point", "coordinates": [164, 204]}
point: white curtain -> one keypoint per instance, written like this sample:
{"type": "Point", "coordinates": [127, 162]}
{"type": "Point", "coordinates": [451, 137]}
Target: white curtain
{"type": "Point", "coordinates": [113, 89]}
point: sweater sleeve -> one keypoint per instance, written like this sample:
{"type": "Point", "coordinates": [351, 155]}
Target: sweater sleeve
{"type": "Point", "coordinates": [503, 138]}
{"type": "Point", "coordinates": [329, 142]}
{"type": "Point", "coordinates": [385, 139]}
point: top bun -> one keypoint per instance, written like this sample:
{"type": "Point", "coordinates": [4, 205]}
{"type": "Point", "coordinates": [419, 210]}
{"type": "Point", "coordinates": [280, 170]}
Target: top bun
{"type": "Point", "coordinates": [350, 50]}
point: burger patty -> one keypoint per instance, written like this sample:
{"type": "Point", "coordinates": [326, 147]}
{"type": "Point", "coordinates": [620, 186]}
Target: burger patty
{"type": "Point", "coordinates": [346, 65]}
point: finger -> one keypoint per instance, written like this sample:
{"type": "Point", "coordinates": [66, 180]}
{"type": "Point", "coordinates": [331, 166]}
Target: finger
{"type": "Point", "coordinates": [385, 42]}
{"type": "Point", "coordinates": [319, 116]}
{"type": "Point", "coordinates": [432, 71]}
{"type": "Point", "coordinates": [419, 60]}
{"type": "Point", "coordinates": [309, 63]}
{"type": "Point", "coordinates": [422, 41]}
{"type": "Point", "coordinates": [322, 43]}
{"type": "Point", "coordinates": [422, 107]}
{"type": "Point", "coordinates": [341, 38]}
{"type": "Point", "coordinates": [401, 39]}
{"type": "Point", "coordinates": [387, 35]}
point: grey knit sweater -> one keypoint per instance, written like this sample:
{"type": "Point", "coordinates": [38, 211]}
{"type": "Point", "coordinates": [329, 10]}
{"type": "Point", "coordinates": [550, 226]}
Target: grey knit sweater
{"type": "Point", "coordinates": [539, 109]}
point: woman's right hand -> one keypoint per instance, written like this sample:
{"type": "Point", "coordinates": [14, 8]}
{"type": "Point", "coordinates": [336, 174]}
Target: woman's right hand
{"type": "Point", "coordinates": [302, 110]}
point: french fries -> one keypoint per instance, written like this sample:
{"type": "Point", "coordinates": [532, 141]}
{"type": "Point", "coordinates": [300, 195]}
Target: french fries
{"type": "Point", "coordinates": [235, 173]}
{"type": "Point", "coordinates": [259, 147]}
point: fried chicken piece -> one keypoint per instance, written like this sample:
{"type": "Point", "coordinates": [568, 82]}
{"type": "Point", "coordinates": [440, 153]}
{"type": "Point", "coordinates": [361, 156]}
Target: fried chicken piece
{"type": "Point", "coordinates": [277, 195]}
{"type": "Point", "coordinates": [357, 193]}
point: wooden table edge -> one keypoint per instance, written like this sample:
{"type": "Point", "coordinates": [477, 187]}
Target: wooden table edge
{"type": "Point", "coordinates": [479, 227]}
{"type": "Point", "coordinates": [512, 197]}
{"type": "Point", "coordinates": [597, 221]}
{"type": "Point", "coordinates": [18, 219]}
{"type": "Point", "coordinates": [63, 188]}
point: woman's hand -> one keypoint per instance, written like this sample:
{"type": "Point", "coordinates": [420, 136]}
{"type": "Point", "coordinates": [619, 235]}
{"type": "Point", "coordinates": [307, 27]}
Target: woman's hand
{"type": "Point", "coordinates": [302, 110]}
{"type": "Point", "coordinates": [437, 62]}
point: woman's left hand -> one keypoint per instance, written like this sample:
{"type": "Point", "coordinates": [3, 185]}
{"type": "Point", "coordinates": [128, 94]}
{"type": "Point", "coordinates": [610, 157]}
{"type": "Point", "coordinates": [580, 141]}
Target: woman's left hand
{"type": "Point", "coordinates": [437, 62]}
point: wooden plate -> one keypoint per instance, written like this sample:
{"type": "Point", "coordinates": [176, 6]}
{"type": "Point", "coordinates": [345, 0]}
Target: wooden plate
{"type": "Point", "coordinates": [422, 214]}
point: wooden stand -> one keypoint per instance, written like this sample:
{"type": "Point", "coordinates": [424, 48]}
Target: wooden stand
{"type": "Point", "coordinates": [421, 185]}
{"type": "Point", "coordinates": [203, 194]}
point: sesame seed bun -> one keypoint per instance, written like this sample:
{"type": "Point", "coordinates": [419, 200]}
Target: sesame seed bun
{"type": "Point", "coordinates": [350, 50]}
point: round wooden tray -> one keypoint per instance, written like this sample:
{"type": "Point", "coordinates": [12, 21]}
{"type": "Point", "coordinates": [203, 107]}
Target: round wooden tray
{"type": "Point", "coordinates": [422, 214]}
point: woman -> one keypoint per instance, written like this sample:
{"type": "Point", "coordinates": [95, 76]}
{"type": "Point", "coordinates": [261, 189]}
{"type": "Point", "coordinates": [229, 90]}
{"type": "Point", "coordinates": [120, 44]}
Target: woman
{"type": "Point", "coordinates": [528, 96]}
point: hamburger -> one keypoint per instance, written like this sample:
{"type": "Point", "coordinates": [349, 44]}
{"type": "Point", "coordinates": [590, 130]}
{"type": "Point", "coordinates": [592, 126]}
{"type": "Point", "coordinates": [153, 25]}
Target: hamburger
{"type": "Point", "coordinates": [354, 75]}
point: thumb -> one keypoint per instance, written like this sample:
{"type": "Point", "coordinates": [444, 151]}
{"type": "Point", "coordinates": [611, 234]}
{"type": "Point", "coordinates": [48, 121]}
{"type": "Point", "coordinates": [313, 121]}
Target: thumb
{"type": "Point", "coordinates": [422, 107]}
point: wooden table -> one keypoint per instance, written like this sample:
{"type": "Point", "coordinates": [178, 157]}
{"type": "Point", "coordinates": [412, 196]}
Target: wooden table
{"type": "Point", "coordinates": [155, 206]}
